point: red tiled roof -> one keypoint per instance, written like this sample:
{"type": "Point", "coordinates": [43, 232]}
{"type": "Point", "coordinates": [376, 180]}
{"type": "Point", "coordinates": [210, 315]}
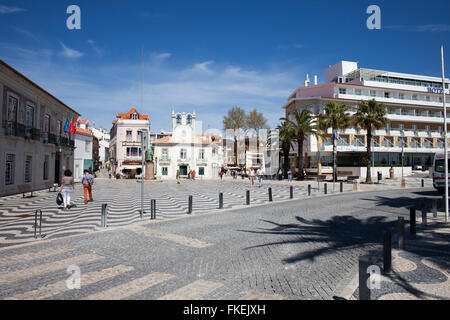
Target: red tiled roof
{"type": "Point", "coordinates": [129, 113]}
{"type": "Point", "coordinates": [84, 131]}
{"type": "Point", "coordinates": [163, 140]}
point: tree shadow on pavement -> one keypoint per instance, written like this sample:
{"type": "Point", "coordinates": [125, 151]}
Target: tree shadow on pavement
{"type": "Point", "coordinates": [337, 233]}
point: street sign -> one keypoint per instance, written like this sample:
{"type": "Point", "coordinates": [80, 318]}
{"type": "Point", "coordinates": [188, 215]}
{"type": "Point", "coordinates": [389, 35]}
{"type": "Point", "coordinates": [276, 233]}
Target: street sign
{"type": "Point", "coordinates": [144, 140]}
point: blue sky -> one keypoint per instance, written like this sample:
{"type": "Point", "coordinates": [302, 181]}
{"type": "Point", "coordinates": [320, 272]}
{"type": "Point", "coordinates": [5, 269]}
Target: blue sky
{"type": "Point", "coordinates": [209, 56]}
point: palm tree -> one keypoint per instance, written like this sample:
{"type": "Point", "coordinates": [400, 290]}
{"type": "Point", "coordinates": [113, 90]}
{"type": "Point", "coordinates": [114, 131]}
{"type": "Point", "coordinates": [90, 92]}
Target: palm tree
{"type": "Point", "coordinates": [256, 121]}
{"type": "Point", "coordinates": [236, 120]}
{"type": "Point", "coordinates": [286, 136]}
{"type": "Point", "coordinates": [369, 116]}
{"type": "Point", "coordinates": [304, 125]}
{"type": "Point", "coordinates": [336, 117]}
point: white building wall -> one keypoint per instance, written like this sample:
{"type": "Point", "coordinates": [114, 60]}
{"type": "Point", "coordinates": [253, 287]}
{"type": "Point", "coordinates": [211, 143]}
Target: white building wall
{"type": "Point", "coordinates": [81, 154]}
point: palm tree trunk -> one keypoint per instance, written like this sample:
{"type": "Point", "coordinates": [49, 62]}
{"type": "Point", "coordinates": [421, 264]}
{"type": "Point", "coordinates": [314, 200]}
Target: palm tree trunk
{"type": "Point", "coordinates": [286, 160]}
{"type": "Point", "coordinates": [235, 152]}
{"type": "Point", "coordinates": [300, 157]}
{"type": "Point", "coordinates": [334, 156]}
{"type": "Point", "coordinates": [369, 155]}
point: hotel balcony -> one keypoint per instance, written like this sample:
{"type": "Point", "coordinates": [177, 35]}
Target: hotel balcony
{"type": "Point", "coordinates": [183, 160]}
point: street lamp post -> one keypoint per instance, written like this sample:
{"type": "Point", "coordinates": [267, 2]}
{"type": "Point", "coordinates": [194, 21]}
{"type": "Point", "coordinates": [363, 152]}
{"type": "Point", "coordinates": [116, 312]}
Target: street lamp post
{"type": "Point", "coordinates": [403, 157]}
{"type": "Point", "coordinates": [445, 135]}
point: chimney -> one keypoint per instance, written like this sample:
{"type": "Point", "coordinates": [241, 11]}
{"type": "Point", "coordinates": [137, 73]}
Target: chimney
{"type": "Point", "coordinates": [315, 79]}
{"type": "Point", "coordinates": [306, 81]}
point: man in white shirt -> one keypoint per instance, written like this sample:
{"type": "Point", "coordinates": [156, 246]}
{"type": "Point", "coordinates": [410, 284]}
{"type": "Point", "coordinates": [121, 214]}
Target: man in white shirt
{"type": "Point", "coordinates": [260, 175]}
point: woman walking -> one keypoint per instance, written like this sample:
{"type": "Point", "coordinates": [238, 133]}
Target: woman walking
{"type": "Point", "coordinates": [67, 187]}
{"type": "Point", "coordinates": [252, 177]}
{"type": "Point", "coordinates": [178, 176]}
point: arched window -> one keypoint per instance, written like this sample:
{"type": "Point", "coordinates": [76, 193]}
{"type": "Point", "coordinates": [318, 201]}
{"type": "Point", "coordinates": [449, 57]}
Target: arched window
{"type": "Point", "coordinates": [189, 119]}
{"type": "Point", "coordinates": [178, 118]}
{"type": "Point", "coordinates": [134, 116]}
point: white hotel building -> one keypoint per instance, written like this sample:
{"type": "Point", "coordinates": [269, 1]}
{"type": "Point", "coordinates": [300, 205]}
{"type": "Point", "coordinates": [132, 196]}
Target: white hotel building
{"type": "Point", "coordinates": [415, 114]}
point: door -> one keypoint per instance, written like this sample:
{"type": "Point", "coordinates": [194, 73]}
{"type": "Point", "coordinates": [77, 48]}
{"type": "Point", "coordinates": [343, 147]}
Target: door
{"type": "Point", "coordinates": [57, 169]}
{"type": "Point", "coordinates": [183, 170]}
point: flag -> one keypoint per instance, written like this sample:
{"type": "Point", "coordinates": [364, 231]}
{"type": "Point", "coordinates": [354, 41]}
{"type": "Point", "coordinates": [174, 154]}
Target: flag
{"type": "Point", "coordinates": [75, 120]}
{"type": "Point", "coordinates": [71, 126]}
{"type": "Point", "coordinates": [67, 125]}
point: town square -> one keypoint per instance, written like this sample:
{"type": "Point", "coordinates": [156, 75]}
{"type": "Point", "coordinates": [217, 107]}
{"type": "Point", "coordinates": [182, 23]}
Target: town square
{"type": "Point", "coordinates": [233, 153]}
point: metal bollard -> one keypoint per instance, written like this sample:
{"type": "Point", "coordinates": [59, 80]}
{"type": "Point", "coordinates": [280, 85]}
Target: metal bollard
{"type": "Point", "coordinates": [412, 221]}
{"type": "Point", "coordinates": [424, 217]}
{"type": "Point", "coordinates": [423, 183]}
{"type": "Point", "coordinates": [248, 197]}
{"type": "Point", "coordinates": [291, 192]}
{"type": "Point", "coordinates": [309, 190]}
{"type": "Point", "coordinates": [103, 221]}
{"type": "Point", "coordinates": [401, 233]}
{"type": "Point", "coordinates": [270, 195]}
{"type": "Point", "coordinates": [434, 208]}
{"type": "Point", "coordinates": [190, 205]}
{"type": "Point", "coordinates": [341, 185]}
{"type": "Point", "coordinates": [325, 188]}
{"type": "Point", "coordinates": [364, 264]}
{"type": "Point", "coordinates": [153, 209]}
{"type": "Point", "coordinates": [387, 251]}
{"type": "Point", "coordinates": [221, 200]}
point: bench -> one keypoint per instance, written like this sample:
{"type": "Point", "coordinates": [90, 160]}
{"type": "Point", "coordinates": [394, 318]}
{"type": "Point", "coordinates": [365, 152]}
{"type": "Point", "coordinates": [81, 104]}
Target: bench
{"type": "Point", "coordinates": [352, 178]}
{"type": "Point", "coordinates": [25, 188]}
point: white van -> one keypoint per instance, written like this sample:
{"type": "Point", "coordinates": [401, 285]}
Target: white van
{"type": "Point", "coordinates": [439, 172]}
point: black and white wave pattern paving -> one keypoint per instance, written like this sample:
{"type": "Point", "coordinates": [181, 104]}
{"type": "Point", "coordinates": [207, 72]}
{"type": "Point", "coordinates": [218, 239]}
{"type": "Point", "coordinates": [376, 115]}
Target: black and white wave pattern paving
{"type": "Point", "coordinates": [123, 197]}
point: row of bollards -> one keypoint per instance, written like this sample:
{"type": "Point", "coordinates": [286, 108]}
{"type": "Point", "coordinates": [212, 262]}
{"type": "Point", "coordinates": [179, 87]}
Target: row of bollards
{"type": "Point", "coordinates": [367, 264]}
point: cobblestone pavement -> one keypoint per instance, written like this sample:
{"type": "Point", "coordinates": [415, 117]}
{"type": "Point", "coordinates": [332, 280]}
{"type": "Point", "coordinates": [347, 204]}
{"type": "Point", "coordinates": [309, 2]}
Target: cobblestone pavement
{"type": "Point", "coordinates": [422, 270]}
{"type": "Point", "coordinates": [17, 214]}
{"type": "Point", "coordinates": [303, 249]}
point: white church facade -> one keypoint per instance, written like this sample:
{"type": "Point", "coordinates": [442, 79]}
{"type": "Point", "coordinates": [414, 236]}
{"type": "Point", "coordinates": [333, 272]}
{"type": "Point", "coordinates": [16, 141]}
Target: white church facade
{"type": "Point", "coordinates": [187, 150]}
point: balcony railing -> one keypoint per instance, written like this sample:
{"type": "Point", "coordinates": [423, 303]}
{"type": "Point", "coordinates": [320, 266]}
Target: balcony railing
{"type": "Point", "coordinates": [164, 160]}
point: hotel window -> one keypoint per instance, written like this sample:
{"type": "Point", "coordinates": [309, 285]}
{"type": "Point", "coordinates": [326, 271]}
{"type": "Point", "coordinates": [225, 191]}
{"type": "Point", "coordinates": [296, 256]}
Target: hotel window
{"type": "Point", "coordinates": [440, 99]}
{"type": "Point", "coordinates": [201, 171]}
{"type": "Point", "coordinates": [414, 96]}
{"type": "Point", "coordinates": [414, 127]}
{"type": "Point", "coordinates": [165, 154]}
{"type": "Point", "coordinates": [357, 92]}
{"type": "Point", "coordinates": [388, 127]}
{"type": "Point", "coordinates": [401, 127]}
{"type": "Point", "coordinates": [427, 128]}
{"type": "Point", "coordinates": [139, 136]}
{"type": "Point", "coordinates": [46, 167]}
{"type": "Point", "coordinates": [183, 154]}
{"type": "Point", "coordinates": [129, 136]}
{"type": "Point", "coordinates": [59, 128]}
{"type": "Point", "coordinates": [401, 96]}
{"type": "Point", "coordinates": [387, 94]}
{"type": "Point", "coordinates": [428, 98]}
{"type": "Point", "coordinates": [342, 90]}
{"type": "Point", "coordinates": [373, 93]}
{"type": "Point", "coordinates": [439, 129]}
{"type": "Point", "coordinates": [28, 169]}
{"type": "Point", "coordinates": [165, 171]}
{"type": "Point", "coordinates": [11, 115]}
{"type": "Point", "coordinates": [9, 170]}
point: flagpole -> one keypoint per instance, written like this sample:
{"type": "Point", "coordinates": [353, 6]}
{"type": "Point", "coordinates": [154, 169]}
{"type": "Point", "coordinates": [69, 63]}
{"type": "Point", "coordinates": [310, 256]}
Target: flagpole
{"type": "Point", "coordinates": [445, 135]}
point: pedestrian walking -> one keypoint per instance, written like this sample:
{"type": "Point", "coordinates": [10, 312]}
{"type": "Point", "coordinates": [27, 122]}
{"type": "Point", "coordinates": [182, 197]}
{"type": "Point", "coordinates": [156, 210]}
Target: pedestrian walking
{"type": "Point", "coordinates": [193, 174]}
{"type": "Point", "coordinates": [87, 181]}
{"type": "Point", "coordinates": [67, 187]}
{"type": "Point", "coordinates": [110, 173]}
{"type": "Point", "coordinates": [290, 175]}
{"type": "Point", "coordinates": [178, 176]}
{"type": "Point", "coordinates": [242, 174]}
{"type": "Point", "coordinates": [280, 174]}
{"type": "Point", "coordinates": [260, 175]}
{"type": "Point", "coordinates": [252, 177]}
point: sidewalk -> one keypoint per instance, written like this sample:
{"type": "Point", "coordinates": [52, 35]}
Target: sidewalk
{"type": "Point", "coordinates": [422, 270]}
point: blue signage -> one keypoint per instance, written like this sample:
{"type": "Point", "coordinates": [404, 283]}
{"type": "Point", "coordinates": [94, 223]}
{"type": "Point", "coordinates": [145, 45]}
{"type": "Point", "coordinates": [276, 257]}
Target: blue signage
{"type": "Point", "coordinates": [435, 90]}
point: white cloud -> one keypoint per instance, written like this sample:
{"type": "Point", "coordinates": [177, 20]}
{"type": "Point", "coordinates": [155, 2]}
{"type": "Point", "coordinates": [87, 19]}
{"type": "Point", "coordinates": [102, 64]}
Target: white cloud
{"type": "Point", "coordinates": [101, 92]}
{"type": "Point", "coordinates": [26, 33]}
{"type": "Point", "coordinates": [70, 53]}
{"type": "Point", "coordinates": [97, 50]}
{"type": "Point", "coordinates": [204, 66]}
{"type": "Point", "coordinates": [8, 9]}
{"type": "Point", "coordinates": [162, 56]}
